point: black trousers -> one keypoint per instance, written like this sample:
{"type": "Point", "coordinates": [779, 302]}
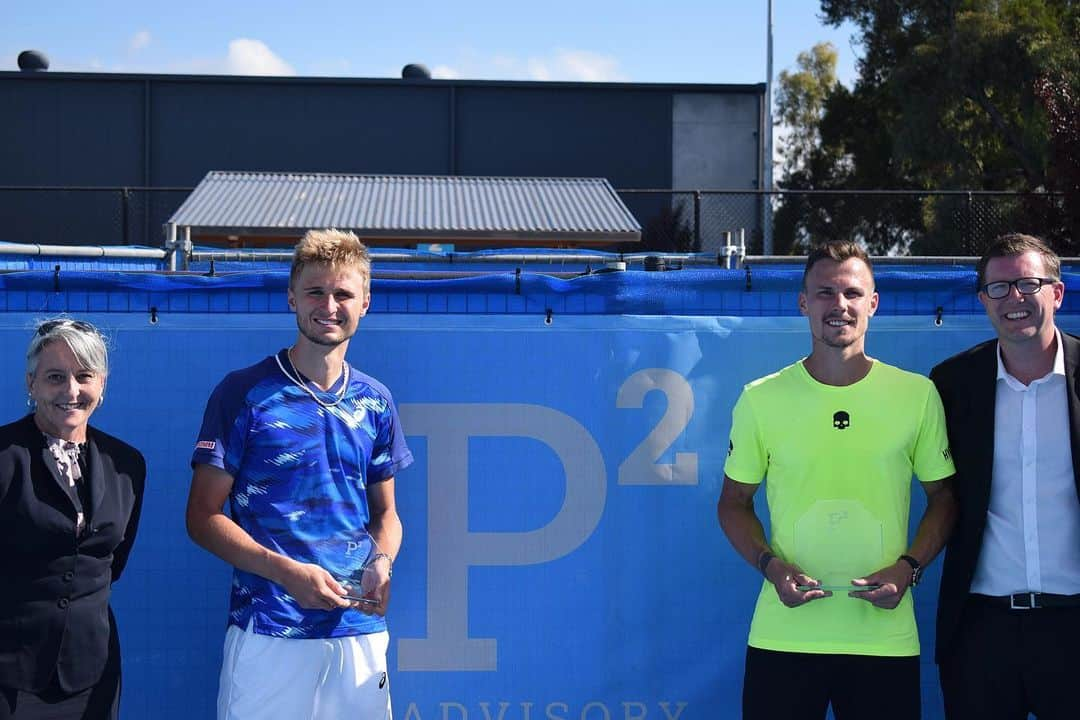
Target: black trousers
{"type": "Point", "coordinates": [1006, 663]}
{"type": "Point", "coordinates": [100, 702]}
{"type": "Point", "coordinates": [779, 685]}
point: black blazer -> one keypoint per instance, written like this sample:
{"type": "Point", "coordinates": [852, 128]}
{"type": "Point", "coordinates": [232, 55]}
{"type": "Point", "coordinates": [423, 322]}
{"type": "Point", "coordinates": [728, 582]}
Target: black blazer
{"type": "Point", "coordinates": [54, 587]}
{"type": "Point", "coordinates": [967, 383]}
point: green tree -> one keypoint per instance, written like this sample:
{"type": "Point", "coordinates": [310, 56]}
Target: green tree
{"type": "Point", "coordinates": [946, 98]}
{"type": "Point", "coordinates": [809, 103]}
{"type": "Point", "coordinates": [801, 97]}
{"type": "Point", "coordinates": [1062, 104]}
{"type": "Point", "coordinates": [800, 104]}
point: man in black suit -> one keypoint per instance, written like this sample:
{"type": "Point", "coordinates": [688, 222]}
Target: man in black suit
{"type": "Point", "coordinates": [1008, 624]}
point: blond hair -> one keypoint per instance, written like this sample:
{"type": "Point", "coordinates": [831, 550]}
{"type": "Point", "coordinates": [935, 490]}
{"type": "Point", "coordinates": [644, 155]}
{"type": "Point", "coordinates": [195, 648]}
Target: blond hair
{"type": "Point", "coordinates": [338, 249]}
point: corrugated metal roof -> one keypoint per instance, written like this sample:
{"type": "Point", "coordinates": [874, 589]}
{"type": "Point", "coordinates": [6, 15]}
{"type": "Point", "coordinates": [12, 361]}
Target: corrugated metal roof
{"type": "Point", "coordinates": [436, 207]}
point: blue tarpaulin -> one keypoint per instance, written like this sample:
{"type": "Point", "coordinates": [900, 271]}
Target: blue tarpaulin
{"type": "Point", "coordinates": [562, 557]}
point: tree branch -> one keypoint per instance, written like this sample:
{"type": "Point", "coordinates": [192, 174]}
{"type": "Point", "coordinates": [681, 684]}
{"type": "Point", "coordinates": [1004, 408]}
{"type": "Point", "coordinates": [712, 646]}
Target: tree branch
{"type": "Point", "coordinates": [1034, 175]}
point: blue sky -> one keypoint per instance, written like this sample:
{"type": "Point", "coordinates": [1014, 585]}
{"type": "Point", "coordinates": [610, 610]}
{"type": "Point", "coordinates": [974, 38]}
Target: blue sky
{"type": "Point", "coordinates": [687, 41]}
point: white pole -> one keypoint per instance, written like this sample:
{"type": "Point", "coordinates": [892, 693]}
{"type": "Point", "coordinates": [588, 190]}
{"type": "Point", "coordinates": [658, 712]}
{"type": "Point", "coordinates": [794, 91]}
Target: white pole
{"type": "Point", "coordinates": [188, 247]}
{"type": "Point", "coordinates": [767, 220]}
{"type": "Point", "coordinates": [170, 246]}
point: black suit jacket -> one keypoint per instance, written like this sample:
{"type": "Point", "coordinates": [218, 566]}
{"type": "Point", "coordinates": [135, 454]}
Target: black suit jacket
{"type": "Point", "coordinates": [54, 587]}
{"type": "Point", "coordinates": [967, 383]}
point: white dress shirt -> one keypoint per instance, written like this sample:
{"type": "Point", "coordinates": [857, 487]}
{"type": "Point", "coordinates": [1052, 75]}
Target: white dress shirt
{"type": "Point", "coordinates": [1032, 537]}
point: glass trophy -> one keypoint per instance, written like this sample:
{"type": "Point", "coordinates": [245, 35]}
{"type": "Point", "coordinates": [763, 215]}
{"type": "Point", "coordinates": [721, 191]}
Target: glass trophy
{"type": "Point", "coordinates": [350, 558]}
{"type": "Point", "coordinates": [837, 541]}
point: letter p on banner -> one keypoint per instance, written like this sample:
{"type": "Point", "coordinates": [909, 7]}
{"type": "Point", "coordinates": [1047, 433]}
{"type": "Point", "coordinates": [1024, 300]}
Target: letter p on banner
{"type": "Point", "coordinates": [452, 549]}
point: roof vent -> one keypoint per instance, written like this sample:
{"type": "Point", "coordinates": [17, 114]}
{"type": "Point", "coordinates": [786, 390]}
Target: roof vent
{"type": "Point", "coordinates": [415, 71]}
{"type": "Point", "coordinates": [33, 61]}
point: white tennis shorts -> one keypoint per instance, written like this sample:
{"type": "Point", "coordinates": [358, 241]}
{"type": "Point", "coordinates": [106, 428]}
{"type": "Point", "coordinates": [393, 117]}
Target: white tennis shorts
{"type": "Point", "coordinates": [271, 678]}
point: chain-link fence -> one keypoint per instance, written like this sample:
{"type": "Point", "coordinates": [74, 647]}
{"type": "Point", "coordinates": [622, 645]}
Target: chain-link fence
{"type": "Point", "coordinates": [87, 215]}
{"type": "Point", "coordinates": [779, 222]}
{"type": "Point", "coordinates": [782, 222]}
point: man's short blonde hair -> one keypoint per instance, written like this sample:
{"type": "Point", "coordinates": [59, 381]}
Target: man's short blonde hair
{"type": "Point", "coordinates": [338, 249]}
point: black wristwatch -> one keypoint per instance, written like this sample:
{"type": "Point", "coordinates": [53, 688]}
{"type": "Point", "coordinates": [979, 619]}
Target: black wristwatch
{"type": "Point", "coordinates": [763, 561]}
{"type": "Point", "coordinates": [916, 569]}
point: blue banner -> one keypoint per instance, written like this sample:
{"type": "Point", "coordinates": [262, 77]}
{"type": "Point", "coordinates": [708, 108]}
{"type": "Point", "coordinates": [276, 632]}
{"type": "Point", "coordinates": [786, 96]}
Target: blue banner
{"type": "Point", "coordinates": [562, 558]}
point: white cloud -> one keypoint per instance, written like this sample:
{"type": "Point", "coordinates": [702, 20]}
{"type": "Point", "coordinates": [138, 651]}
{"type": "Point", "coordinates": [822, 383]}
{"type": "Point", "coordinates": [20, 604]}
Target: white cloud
{"type": "Point", "coordinates": [248, 56]}
{"type": "Point", "coordinates": [244, 57]}
{"type": "Point", "coordinates": [139, 40]}
{"type": "Point", "coordinates": [559, 64]}
{"type": "Point", "coordinates": [580, 65]}
{"type": "Point", "coordinates": [538, 69]}
{"type": "Point", "coordinates": [253, 57]}
{"type": "Point", "coordinates": [444, 72]}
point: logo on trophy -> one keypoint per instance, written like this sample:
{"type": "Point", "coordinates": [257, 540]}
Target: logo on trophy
{"type": "Point", "coordinates": [837, 541]}
{"type": "Point", "coordinates": [350, 558]}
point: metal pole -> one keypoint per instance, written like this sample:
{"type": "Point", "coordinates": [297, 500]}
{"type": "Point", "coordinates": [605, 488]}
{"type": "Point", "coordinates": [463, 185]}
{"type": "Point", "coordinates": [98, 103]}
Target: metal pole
{"type": "Point", "coordinates": [969, 233]}
{"type": "Point", "coordinates": [188, 247]}
{"type": "Point", "coordinates": [451, 121]}
{"type": "Point", "coordinates": [766, 205]}
{"type": "Point", "coordinates": [170, 245]}
{"type": "Point", "coordinates": [697, 221]}
{"type": "Point", "coordinates": [82, 251]}
{"type": "Point", "coordinates": [124, 198]}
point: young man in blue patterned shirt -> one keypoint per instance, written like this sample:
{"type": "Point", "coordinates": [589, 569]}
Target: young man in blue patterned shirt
{"type": "Point", "coordinates": [305, 449]}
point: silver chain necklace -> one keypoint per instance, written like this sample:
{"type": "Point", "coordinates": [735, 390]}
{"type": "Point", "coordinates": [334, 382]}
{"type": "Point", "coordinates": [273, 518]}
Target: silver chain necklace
{"type": "Point", "coordinates": [297, 379]}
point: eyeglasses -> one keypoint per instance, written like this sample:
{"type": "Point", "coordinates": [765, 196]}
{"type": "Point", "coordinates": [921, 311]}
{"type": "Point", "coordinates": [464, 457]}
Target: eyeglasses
{"type": "Point", "coordinates": [1024, 286]}
{"type": "Point", "coordinates": [49, 325]}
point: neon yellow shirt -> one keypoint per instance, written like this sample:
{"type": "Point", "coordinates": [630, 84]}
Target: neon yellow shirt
{"type": "Point", "coordinates": [839, 462]}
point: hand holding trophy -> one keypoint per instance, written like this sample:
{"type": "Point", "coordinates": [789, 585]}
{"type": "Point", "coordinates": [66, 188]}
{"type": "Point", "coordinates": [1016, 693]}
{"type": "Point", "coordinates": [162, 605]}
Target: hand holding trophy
{"type": "Point", "coordinates": [361, 568]}
{"type": "Point", "coordinates": [836, 541]}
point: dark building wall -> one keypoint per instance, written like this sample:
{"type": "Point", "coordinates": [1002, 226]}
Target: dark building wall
{"type": "Point", "coordinates": [622, 135]}
{"type": "Point", "coordinates": [157, 131]}
{"type": "Point", "coordinates": [308, 127]}
{"type": "Point", "coordinates": [71, 132]}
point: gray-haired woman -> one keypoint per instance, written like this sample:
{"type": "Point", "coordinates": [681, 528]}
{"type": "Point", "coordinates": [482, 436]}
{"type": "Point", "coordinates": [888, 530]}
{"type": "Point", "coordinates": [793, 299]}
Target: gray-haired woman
{"type": "Point", "coordinates": [70, 497]}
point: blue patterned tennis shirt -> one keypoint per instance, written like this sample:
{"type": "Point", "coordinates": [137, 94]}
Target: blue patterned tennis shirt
{"type": "Point", "coordinates": [300, 472]}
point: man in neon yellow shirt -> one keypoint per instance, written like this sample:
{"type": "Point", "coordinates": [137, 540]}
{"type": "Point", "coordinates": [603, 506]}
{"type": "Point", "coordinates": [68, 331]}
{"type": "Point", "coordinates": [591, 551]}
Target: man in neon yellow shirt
{"type": "Point", "coordinates": [838, 436]}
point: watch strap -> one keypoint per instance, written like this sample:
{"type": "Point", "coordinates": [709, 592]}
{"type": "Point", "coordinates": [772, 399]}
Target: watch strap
{"type": "Point", "coordinates": [916, 568]}
{"type": "Point", "coordinates": [763, 561]}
